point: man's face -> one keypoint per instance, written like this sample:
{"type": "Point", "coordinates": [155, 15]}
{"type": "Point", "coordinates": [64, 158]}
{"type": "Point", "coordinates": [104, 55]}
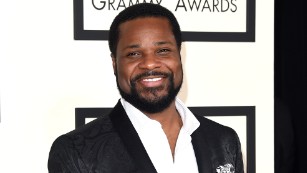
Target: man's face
{"type": "Point", "coordinates": [147, 64]}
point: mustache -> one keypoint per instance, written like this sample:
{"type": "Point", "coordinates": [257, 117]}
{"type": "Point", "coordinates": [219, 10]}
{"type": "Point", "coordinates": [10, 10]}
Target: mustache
{"type": "Point", "coordinates": [150, 73]}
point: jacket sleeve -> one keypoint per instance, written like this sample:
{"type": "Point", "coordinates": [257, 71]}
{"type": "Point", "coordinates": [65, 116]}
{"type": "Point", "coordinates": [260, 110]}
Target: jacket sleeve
{"type": "Point", "coordinates": [64, 158]}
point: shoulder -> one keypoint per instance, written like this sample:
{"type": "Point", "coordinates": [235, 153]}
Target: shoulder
{"type": "Point", "coordinates": [215, 130]}
{"type": "Point", "coordinates": [92, 132]}
{"type": "Point", "coordinates": [100, 125]}
{"type": "Point", "coordinates": [98, 130]}
{"type": "Point", "coordinates": [89, 147]}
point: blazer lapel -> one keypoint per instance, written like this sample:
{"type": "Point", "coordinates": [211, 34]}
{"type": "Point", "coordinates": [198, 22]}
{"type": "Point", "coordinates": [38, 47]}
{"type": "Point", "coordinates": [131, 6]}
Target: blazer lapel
{"type": "Point", "coordinates": [130, 138]}
{"type": "Point", "coordinates": [202, 152]}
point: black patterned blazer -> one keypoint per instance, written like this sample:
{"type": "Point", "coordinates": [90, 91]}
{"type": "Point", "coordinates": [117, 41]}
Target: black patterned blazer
{"type": "Point", "coordinates": [110, 144]}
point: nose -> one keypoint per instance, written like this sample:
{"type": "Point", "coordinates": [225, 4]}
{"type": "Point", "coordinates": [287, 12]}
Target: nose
{"type": "Point", "coordinates": [150, 62]}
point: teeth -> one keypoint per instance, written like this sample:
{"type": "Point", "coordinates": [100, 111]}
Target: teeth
{"type": "Point", "coordinates": [151, 80]}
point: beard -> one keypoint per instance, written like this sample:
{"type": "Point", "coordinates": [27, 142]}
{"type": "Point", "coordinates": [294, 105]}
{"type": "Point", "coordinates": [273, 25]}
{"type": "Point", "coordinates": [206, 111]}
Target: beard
{"type": "Point", "coordinates": [154, 103]}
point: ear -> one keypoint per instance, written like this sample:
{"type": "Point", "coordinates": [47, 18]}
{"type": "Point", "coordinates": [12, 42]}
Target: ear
{"type": "Point", "coordinates": [113, 63]}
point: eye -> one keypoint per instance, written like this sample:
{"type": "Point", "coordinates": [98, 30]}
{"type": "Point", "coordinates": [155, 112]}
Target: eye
{"type": "Point", "coordinates": [163, 51]}
{"type": "Point", "coordinates": [133, 54]}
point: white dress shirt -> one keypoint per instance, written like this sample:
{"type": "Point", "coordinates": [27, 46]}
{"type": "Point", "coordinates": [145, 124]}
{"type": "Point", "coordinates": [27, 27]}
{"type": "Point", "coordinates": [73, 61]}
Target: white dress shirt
{"type": "Point", "coordinates": [156, 143]}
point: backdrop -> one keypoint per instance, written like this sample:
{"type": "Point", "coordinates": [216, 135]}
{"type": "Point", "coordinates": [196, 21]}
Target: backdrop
{"type": "Point", "coordinates": [46, 73]}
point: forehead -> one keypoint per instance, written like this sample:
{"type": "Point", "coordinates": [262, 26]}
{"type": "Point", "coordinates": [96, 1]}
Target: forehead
{"type": "Point", "coordinates": [145, 23]}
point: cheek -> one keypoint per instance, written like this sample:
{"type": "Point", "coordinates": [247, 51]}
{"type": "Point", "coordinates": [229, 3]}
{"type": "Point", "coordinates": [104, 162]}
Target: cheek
{"type": "Point", "coordinates": [124, 74]}
{"type": "Point", "coordinates": [123, 79]}
{"type": "Point", "coordinates": [178, 73]}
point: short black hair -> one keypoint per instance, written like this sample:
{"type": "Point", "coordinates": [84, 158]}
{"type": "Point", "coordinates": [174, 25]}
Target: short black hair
{"type": "Point", "coordinates": [140, 11]}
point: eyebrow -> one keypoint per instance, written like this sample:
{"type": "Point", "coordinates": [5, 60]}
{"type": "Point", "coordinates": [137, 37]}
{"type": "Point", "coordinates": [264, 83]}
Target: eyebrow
{"type": "Point", "coordinates": [163, 43]}
{"type": "Point", "coordinates": [159, 43]}
{"type": "Point", "coordinates": [132, 46]}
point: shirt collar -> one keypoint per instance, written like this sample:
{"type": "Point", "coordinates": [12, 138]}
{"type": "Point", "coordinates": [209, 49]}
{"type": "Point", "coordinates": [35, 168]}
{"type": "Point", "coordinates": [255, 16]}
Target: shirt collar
{"type": "Point", "coordinates": [141, 121]}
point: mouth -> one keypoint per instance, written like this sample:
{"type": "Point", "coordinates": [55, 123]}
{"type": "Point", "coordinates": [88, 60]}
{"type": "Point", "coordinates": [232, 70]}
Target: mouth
{"type": "Point", "coordinates": [151, 79]}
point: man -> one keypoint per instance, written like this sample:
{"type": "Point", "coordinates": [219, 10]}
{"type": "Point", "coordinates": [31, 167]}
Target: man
{"type": "Point", "coordinates": [149, 130]}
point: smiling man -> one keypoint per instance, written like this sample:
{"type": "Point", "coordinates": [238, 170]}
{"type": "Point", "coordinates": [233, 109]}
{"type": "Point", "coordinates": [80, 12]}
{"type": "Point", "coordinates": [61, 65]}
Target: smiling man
{"type": "Point", "coordinates": [149, 130]}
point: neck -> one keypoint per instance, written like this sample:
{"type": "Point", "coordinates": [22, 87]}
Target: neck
{"type": "Point", "coordinates": [171, 124]}
{"type": "Point", "coordinates": [166, 117]}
